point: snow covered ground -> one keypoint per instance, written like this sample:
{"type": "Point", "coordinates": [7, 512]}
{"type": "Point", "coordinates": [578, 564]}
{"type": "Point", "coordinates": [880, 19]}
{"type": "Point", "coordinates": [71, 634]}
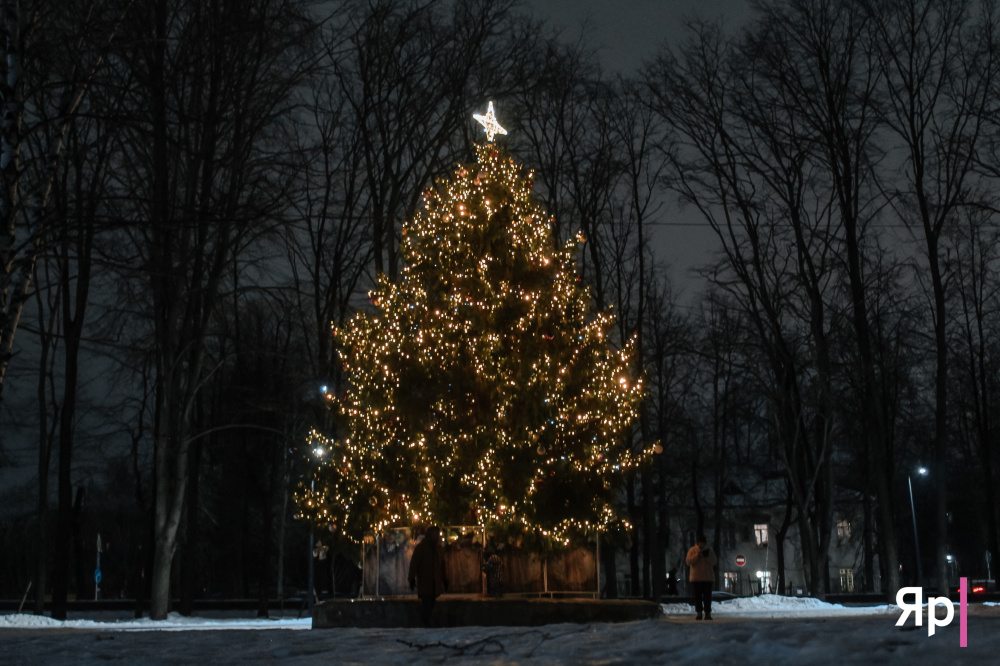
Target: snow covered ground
{"type": "Point", "coordinates": [174, 622]}
{"type": "Point", "coordinates": [774, 606]}
{"type": "Point", "coordinates": [761, 630]}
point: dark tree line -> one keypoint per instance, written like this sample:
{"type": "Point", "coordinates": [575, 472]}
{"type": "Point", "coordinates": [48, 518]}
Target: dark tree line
{"type": "Point", "coordinates": [194, 191]}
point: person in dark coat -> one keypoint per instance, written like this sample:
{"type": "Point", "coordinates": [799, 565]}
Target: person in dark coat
{"type": "Point", "coordinates": [701, 563]}
{"type": "Point", "coordinates": [427, 573]}
{"type": "Point", "coordinates": [493, 568]}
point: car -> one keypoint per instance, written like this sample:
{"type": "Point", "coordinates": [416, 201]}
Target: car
{"type": "Point", "coordinates": [978, 589]}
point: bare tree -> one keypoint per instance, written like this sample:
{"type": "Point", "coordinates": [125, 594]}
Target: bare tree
{"type": "Point", "coordinates": [213, 80]}
{"type": "Point", "coordinates": [46, 301]}
{"type": "Point", "coordinates": [938, 59]}
{"type": "Point", "coordinates": [817, 54]}
{"type": "Point", "coordinates": [330, 245]}
{"type": "Point", "coordinates": [80, 198]}
{"type": "Point", "coordinates": [81, 33]}
{"type": "Point", "coordinates": [976, 366]}
{"type": "Point", "coordinates": [635, 135]}
{"type": "Point", "coordinates": [742, 159]}
{"type": "Point", "coordinates": [672, 368]}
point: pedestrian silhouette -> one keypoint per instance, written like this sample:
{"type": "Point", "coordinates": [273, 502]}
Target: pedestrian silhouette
{"type": "Point", "coordinates": [427, 573]}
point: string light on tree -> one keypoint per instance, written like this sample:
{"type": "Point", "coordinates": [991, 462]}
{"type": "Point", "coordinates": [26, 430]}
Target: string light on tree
{"type": "Point", "coordinates": [482, 387]}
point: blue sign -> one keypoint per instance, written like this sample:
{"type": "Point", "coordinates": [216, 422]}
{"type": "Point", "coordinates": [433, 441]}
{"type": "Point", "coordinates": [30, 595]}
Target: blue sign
{"type": "Point", "coordinates": [97, 575]}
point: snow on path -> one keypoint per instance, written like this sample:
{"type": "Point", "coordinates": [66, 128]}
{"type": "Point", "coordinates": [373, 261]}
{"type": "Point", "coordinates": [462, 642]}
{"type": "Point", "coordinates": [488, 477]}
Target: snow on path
{"type": "Point", "coordinates": [174, 622]}
{"type": "Point", "coordinates": [765, 606]}
{"type": "Point", "coordinates": [774, 606]}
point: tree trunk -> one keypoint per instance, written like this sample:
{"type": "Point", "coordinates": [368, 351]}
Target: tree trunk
{"type": "Point", "coordinates": [159, 602]}
{"type": "Point", "coordinates": [42, 563]}
{"type": "Point", "coordinates": [264, 555]}
{"type": "Point", "coordinates": [888, 543]}
{"type": "Point", "coordinates": [282, 521]}
{"type": "Point", "coordinates": [786, 522]}
{"type": "Point", "coordinates": [610, 569]}
{"type": "Point", "coordinates": [991, 502]}
{"type": "Point", "coordinates": [144, 568]}
{"type": "Point", "coordinates": [44, 462]}
{"type": "Point", "coordinates": [940, 452]}
{"type": "Point", "coordinates": [874, 415]}
{"type": "Point", "coordinates": [648, 530]}
{"type": "Point", "coordinates": [64, 521]}
{"type": "Point", "coordinates": [719, 446]}
{"type": "Point", "coordinates": [190, 567]}
{"type": "Point", "coordinates": [11, 119]}
{"type": "Point", "coordinates": [633, 551]}
{"type": "Point", "coordinates": [165, 430]}
{"type": "Point", "coordinates": [79, 550]}
{"type": "Point", "coordinates": [866, 538]}
{"type": "Point", "coordinates": [63, 546]}
{"type": "Point", "coordinates": [662, 528]}
{"type": "Point", "coordinates": [171, 490]}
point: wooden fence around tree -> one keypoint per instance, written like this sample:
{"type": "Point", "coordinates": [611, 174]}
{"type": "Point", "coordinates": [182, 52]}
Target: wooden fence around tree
{"type": "Point", "coordinates": [386, 561]}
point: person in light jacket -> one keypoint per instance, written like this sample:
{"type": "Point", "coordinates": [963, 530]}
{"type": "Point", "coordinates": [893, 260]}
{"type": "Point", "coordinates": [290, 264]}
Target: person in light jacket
{"type": "Point", "coordinates": [427, 572]}
{"type": "Point", "coordinates": [701, 563]}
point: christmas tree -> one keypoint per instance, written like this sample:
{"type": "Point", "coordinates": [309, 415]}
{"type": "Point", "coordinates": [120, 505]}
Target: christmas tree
{"type": "Point", "coordinates": [482, 389]}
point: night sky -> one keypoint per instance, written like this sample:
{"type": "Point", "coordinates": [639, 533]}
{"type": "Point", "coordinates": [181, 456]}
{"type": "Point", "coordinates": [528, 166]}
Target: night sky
{"type": "Point", "coordinates": [629, 30]}
{"type": "Point", "coordinates": [626, 32]}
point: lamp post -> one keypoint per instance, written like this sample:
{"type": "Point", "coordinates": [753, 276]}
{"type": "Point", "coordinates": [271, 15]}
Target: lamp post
{"type": "Point", "coordinates": [318, 452]}
{"type": "Point", "coordinates": [309, 592]}
{"type": "Point", "coordinates": [922, 471]}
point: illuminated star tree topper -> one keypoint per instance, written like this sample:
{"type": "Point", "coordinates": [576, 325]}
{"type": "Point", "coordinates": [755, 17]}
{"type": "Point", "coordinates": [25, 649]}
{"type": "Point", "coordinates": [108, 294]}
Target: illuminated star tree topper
{"type": "Point", "coordinates": [482, 387]}
{"type": "Point", "coordinates": [489, 122]}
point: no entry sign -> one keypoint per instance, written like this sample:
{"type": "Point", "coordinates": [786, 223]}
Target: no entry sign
{"type": "Point", "coordinates": [740, 560]}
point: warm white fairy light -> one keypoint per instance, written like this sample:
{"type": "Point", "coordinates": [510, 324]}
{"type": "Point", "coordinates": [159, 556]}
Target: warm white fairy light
{"type": "Point", "coordinates": [483, 388]}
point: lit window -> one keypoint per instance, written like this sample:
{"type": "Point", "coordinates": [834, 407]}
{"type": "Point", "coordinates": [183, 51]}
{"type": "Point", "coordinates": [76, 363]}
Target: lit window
{"type": "Point", "coordinates": [844, 529]}
{"type": "Point", "coordinates": [730, 580]}
{"type": "Point", "coordinates": [846, 580]}
{"type": "Point", "coordinates": [760, 532]}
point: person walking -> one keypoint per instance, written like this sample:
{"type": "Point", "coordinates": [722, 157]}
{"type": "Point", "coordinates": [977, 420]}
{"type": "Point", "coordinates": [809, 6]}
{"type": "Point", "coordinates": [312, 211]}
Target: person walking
{"type": "Point", "coordinates": [701, 563]}
{"type": "Point", "coordinates": [427, 572]}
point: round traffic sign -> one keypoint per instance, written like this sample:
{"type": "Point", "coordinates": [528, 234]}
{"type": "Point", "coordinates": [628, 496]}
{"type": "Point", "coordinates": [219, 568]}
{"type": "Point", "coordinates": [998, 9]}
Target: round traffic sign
{"type": "Point", "coordinates": [740, 560]}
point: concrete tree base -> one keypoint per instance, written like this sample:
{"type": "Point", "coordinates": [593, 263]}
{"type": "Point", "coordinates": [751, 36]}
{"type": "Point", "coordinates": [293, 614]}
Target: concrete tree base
{"type": "Point", "coordinates": [463, 611]}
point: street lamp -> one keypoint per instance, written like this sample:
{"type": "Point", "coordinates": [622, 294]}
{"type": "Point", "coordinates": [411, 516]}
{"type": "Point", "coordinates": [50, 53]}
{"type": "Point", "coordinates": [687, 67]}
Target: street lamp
{"type": "Point", "coordinates": [309, 592]}
{"type": "Point", "coordinates": [318, 452]}
{"type": "Point", "coordinates": [922, 471]}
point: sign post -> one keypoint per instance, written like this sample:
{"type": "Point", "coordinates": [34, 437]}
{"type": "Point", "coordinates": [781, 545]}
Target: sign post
{"type": "Point", "coordinates": [97, 571]}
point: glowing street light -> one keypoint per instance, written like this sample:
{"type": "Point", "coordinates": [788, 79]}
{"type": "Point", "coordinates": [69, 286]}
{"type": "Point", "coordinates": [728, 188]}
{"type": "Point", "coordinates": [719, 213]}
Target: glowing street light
{"type": "Point", "coordinates": [922, 471]}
